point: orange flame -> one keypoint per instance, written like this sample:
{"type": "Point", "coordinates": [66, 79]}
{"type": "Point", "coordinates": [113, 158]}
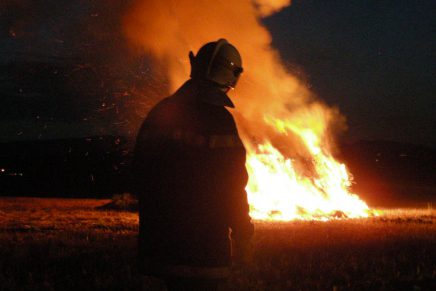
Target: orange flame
{"type": "Point", "coordinates": [276, 191]}
{"type": "Point", "coordinates": [277, 116]}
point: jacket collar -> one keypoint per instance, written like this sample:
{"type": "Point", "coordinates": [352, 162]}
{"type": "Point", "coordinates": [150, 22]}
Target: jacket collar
{"type": "Point", "coordinates": [205, 92]}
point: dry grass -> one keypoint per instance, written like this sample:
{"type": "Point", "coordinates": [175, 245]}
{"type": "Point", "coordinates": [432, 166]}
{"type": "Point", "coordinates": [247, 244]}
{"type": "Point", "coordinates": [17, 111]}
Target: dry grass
{"type": "Point", "coordinates": [65, 244]}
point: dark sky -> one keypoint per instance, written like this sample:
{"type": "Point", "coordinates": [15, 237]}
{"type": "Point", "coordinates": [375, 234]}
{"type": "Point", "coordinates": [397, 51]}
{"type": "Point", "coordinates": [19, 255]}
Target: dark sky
{"type": "Point", "coordinates": [373, 59]}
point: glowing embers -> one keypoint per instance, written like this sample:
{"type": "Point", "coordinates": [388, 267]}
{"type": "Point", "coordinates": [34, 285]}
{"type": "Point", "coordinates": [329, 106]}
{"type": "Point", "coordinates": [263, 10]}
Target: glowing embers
{"type": "Point", "coordinates": [278, 191]}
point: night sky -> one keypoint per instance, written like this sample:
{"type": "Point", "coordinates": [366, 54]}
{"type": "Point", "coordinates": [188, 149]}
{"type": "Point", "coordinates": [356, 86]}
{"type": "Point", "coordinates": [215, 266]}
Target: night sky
{"type": "Point", "coordinates": [373, 59]}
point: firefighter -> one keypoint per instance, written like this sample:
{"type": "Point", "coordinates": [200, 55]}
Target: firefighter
{"type": "Point", "coordinates": [190, 177]}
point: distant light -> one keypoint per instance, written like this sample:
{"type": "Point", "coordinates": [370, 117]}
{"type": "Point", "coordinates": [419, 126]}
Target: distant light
{"type": "Point", "coordinates": [2, 170]}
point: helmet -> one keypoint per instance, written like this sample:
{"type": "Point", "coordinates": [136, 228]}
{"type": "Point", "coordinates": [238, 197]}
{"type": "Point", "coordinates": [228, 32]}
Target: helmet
{"type": "Point", "coordinates": [217, 61]}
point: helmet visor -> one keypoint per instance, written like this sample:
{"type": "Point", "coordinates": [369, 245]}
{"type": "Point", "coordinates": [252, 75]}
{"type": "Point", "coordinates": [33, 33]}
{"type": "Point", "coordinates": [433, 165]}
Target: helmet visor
{"type": "Point", "coordinates": [236, 70]}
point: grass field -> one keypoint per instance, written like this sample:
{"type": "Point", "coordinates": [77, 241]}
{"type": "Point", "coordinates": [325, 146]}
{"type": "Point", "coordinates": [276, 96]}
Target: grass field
{"type": "Point", "coordinates": [66, 244]}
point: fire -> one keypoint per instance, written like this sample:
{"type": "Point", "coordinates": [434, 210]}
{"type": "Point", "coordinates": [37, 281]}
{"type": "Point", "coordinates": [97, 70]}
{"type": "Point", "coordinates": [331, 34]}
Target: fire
{"type": "Point", "coordinates": [287, 131]}
{"type": "Point", "coordinates": [276, 191]}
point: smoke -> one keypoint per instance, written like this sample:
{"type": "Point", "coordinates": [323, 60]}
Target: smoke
{"type": "Point", "coordinates": [268, 7]}
{"type": "Point", "coordinates": [167, 30]}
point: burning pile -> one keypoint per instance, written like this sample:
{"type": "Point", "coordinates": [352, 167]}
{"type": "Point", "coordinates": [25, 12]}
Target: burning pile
{"type": "Point", "coordinates": [287, 131]}
{"type": "Point", "coordinates": [277, 191]}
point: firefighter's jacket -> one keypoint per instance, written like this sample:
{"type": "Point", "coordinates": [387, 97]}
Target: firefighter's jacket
{"type": "Point", "coordinates": [190, 176]}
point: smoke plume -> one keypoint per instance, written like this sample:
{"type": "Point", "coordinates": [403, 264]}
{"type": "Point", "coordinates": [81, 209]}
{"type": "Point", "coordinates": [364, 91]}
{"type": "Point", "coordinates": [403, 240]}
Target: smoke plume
{"type": "Point", "coordinates": [268, 7]}
{"type": "Point", "coordinates": [167, 30]}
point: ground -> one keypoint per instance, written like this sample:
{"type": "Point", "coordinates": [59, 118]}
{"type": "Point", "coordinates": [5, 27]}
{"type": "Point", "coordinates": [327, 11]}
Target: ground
{"type": "Point", "coordinates": [67, 244]}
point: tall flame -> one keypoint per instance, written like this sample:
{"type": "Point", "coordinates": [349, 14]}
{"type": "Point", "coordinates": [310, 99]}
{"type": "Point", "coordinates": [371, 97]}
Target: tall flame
{"type": "Point", "coordinates": [287, 131]}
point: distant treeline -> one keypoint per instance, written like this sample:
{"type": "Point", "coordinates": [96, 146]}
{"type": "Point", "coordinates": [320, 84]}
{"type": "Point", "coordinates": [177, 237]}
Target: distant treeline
{"type": "Point", "coordinates": [395, 173]}
{"type": "Point", "coordinates": [82, 167]}
{"type": "Point", "coordinates": [98, 166]}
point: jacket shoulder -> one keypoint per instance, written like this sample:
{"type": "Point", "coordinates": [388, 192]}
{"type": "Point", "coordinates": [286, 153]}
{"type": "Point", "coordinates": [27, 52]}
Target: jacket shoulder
{"type": "Point", "coordinates": [164, 114]}
{"type": "Point", "coordinates": [159, 109]}
{"type": "Point", "coordinates": [227, 119]}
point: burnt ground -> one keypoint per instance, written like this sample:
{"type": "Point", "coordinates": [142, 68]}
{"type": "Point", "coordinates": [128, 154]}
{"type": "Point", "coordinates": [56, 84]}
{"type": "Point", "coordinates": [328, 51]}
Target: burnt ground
{"type": "Point", "coordinates": [66, 244]}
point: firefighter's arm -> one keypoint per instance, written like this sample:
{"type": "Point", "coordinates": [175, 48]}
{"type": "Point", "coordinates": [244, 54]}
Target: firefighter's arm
{"type": "Point", "coordinates": [142, 160]}
{"type": "Point", "coordinates": [237, 176]}
{"type": "Point", "coordinates": [149, 150]}
{"type": "Point", "coordinates": [147, 173]}
{"type": "Point", "coordinates": [241, 225]}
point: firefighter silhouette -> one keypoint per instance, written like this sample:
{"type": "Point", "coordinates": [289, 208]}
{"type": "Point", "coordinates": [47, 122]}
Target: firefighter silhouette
{"type": "Point", "coordinates": [189, 175]}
